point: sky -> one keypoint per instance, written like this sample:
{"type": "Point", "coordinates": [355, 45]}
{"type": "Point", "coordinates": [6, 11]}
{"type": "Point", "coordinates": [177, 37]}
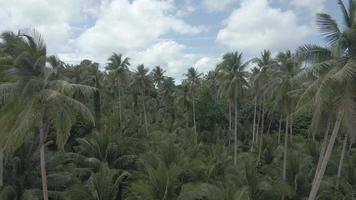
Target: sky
{"type": "Point", "coordinates": [174, 34]}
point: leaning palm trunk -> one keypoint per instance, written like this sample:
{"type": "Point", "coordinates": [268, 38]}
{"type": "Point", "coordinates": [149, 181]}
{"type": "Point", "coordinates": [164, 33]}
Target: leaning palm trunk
{"type": "Point", "coordinates": [144, 113]}
{"type": "Point", "coordinates": [194, 123]}
{"type": "Point", "coordinates": [285, 154]}
{"type": "Point", "coordinates": [258, 126]}
{"type": "Point", "coordinates": [254, 124]}
{"type": "Point", "coordinates": [230, 124]}
{"type": "Point", "coordinates": [235, 135]}
{"type": "Point", "coordinates": [291, 128]}
{"type": "Point", "coordinates": [341, 159]}
{"type": "Point", "coordinates": [1, 168]}
{"type": "Point", "coordinates": [322, 150]}
{"type": "Point", "coordinates": [120, 109]}
{"type": "Point", "coordinates": [279, 130]}
{"type": "Point", "coordinates": [261, 132]}
{"type": "Point", "coordinates": [230, 116]}
{"type": "Point", "coordinates": [320, 173]}
{"type": "Point", "coordinates": [44, 128]}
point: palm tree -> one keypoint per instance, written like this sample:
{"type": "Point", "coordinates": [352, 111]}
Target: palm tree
{"type": "Point", "coordinates": [41, 100]}
{"type": "Point", "coordinates": [106, 184]}
{"type": "Point", "coordinates": [119, 67]}
{"type": "Point", "coordinates": [337, 85]}
{"type": "Point", "coordinates": [233, 81]}
{"type": "Point", "coordinates": [193, 81]}
{"type": "Point", "coordinates": [283, 83]}
{"type": "Point", "coordinates": [158, 76]}
{"type": "Point", "coordinates": [142, 83]}
{"type": "Point", "coordinates": [259, 79]}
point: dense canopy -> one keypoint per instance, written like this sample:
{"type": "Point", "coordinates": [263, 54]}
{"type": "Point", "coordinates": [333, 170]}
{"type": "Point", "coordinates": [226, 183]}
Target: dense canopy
{"type": "Point", "coordinates": [279, 126]}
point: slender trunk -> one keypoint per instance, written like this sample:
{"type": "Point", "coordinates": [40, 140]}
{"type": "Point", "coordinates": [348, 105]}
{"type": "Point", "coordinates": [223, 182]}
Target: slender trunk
{"type": "Point", "coordinates": [230, 123]}
{"type": "Point", "coordinates": [258, 126]}
{"type": "Point", "coordinates": [230, 116]}
{"type": "Point", "coordinates": [285, 154]}
{"type": "Point", "coordinates": [194, 123]}
{"type": "Point", "coordinates": [261, 133]}
{"type": "Point", "coordinates": [44, 127]}
{"type": "Point", "coordinates": [291, 128]}
{"type": "Point", "coordinates": [144, 113]}
{"type": "Point", "coordinates": [1, 168]}
{"type": "Point", "coordinates": [120, 109]}
{"type": "Point", "coordinates": [280, 129]}
{"type": "Point", "coordinates": [269, 127]}
{"type": "Point", "coordinates": [320, 173]}
{"type": "Point", "coordinates": [235, 135]}
{"type": "Point", "coordinates": [254, 124]}
{"type": "Point", "coordinates": [322, 149]}
{"type": "Point", "coordinates": [341, 159]}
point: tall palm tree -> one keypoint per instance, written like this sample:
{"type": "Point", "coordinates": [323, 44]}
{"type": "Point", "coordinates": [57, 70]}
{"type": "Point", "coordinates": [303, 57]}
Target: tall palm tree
{"type": "Point", "coordinates": [283, 83]}
{"type": "Point", "coordinates": [119, 66]}
{"type": "Point", "coordinates": [158, 76]}
{"type": "Point", "coordinates": [338, 80]}
{"type": "Point", "coordinates": [258, 82]}
{"type": "Point", "coordinates": [41, 100]}
{"type": "Point", "coordinates": [233, 81]}
{"type": "Point", "coordinates": [193, 78]}
{"type": "Point", "coordinates": [142, 83]}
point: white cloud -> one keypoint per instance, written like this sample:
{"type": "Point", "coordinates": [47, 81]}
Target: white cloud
{"type": "Point", "coordinates": [217, 5]}
{"type": "Point", "coordinates": [167, 54]}
{"type": "Point", "coordinates": [53, 19]}
{"type": "Point", "coordinates": [207, 64]}
{"type": "Point", "coordinates": [124, 25]}
{"type": "Point", "coordinates": [256, 26]}
{"type": "Point", "coordinates": [171, 56]}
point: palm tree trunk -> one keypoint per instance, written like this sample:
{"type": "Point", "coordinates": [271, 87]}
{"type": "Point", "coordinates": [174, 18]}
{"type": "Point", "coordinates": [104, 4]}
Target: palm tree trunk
{"type": "Point", "coordinates": [44, 127]}
{"type": "Point", "coordinates": [269, 127]}
{"type": "Point", "coordinates": [320, 173]}
{"type": "Point", "coordinates": [230, 123]}
{"type": "Point", "coordinates": [322, 149]}
{"type": "Point", "coordinates": [194, 123]}
{"type": "Point", "coordinates": [279, 129]}
{"type": "Point", "coordinates": [261, 132]}
{"type": "Point", "coordinates": [1, 168]}
{"type": "Point", "coordinates": [254, 124]}
{"type": "Point", "coordinates": [291, 128]}
{"type": "Point", "coordinates": [230, 116]}
{"type": "Point", "coordinates": [258, 126]}
{"type": "Point", "coordinates": [341, 159]}
{"type": "Point", "coordinates": [285, 154]}
{"type": "Point", "coordinates": [235, 135]}
{"type": "Point", "coordinates": [120, 109]}
{"type": "Point", "coordinates": [144, 113]}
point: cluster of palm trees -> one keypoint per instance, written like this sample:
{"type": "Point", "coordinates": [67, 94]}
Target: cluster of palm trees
{"type": "Point", "coordinates": [91, 132]}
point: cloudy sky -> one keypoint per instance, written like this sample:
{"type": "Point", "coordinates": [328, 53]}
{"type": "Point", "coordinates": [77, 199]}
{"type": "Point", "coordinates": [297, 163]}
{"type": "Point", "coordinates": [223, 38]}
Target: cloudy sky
{"type": "Point", "coordinates": [173, 34]}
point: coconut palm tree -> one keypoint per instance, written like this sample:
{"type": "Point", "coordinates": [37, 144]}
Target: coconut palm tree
{"type": "Point", "coordinates": [193, 79]}
{"type": "Point", "coordinates": [282, 85]}
{"type": "Point", "coordinates": [233, 81]}
{"type": "Point", "coordinates": [106, 184]}
{"type": "Point", "coordinates": [142, 83]}
{"type": "Point", "coordinates": [119, 67]}
{"type": "Point", "coordinates": [258, 82]}
{"type": "Point", "coordinates": [337, 85]}
{"type": "Point", "coordinates": [158, 76]}
{"type": "Point", "coordinates": [41, 100]}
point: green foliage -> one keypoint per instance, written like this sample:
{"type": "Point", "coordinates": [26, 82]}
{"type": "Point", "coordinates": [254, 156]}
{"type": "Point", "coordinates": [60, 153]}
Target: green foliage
{"type": "Point", "coordinates": [152, 139]}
